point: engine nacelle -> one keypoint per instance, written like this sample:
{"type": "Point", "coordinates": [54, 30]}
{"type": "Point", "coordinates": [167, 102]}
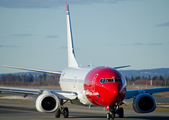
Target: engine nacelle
{"type": "Point", "coordinates": [144, 103]}
{"type": "Point", "coordinates": [47, 102]}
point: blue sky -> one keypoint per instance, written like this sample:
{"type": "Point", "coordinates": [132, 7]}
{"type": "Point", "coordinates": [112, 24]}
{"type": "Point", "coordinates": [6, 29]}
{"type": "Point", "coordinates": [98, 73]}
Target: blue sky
{"type": "Point", "coordinates": [105, 32]}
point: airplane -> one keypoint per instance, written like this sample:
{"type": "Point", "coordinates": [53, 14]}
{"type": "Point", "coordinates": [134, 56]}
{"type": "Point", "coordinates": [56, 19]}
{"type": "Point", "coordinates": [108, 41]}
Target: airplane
{"type": "Point", "coordinates": [90, 85]}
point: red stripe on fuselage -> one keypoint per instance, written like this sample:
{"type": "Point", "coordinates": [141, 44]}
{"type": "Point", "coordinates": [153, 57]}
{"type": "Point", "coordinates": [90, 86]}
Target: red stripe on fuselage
{"type": "Point", "coordinates": [108, 93]}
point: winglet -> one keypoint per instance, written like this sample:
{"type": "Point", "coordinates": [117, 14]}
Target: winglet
{"type": "Point", "coordinates": [71, 54]}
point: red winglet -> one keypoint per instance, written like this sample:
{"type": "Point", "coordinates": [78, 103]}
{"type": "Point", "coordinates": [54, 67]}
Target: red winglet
{"type": "Point", "coordinates": [67, 7]}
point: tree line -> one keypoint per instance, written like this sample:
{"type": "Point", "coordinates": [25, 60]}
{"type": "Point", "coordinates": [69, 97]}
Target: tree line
{"type": "Point", "coordinates": [52, 79]}
{"type": "Point", "coordinates": [157, 80]}
{"type": "Point", "coordinates": [29, 80]}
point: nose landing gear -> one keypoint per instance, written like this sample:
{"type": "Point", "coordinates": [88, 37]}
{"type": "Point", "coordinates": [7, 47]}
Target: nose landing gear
{"type": "Point", "coordinates": [115, 110]}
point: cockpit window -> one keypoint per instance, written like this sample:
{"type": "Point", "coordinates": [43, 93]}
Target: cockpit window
{"type": "Point", "coordinates": [110, 80]}
{"type": "Point", "coordinates": [102, 81]}
{"type": "Point", "coordinates": [117, 80]}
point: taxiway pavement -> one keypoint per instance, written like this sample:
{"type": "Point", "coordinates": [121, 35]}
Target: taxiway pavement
{"type": "Point", "coordinates": [25, 110]}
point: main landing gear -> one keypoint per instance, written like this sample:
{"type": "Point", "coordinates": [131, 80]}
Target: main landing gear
{"type": "Point", "coordinates": [62, 110]}
{"type": "Point", "coordinates": [115, 110]}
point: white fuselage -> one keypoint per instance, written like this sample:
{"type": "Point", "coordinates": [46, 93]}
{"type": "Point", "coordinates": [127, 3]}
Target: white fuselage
{"type": "Point", "coordinates": [72, 79]}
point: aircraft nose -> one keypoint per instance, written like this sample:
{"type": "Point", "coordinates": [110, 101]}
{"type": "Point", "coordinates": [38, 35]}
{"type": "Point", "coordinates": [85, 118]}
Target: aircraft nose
{"type": "Point", "coordinates": [114, 91]}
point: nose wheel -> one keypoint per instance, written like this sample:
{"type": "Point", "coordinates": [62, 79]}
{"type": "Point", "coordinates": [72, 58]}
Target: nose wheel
{"type": "Point", "coordinates": [115, 110]}
{"type": "Point", "coordinates": [110, 115]}
{"type": "Point", "coordinates": [121, 112]}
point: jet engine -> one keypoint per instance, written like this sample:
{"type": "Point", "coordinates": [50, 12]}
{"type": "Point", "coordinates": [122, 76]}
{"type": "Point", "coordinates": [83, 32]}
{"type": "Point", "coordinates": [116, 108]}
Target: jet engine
{"type": "Point", "coordinates": [47, 102]}
{"type": "Point", "coordinates": [144, 103]}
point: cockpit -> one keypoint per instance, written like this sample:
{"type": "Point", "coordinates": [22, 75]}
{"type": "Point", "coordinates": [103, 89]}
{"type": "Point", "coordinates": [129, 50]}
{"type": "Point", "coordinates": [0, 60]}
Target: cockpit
{"type": "Point", "coordinates": [110, 80]}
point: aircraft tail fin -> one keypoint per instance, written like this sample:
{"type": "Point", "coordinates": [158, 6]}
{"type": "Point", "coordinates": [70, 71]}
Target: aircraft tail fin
{"type": "Point", "coordinates": [71, 54]}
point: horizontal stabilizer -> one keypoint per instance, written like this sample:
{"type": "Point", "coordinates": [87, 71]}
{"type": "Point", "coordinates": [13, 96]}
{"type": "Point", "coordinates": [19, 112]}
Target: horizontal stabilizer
{"type": "Point", "coordinates": [121, 67]}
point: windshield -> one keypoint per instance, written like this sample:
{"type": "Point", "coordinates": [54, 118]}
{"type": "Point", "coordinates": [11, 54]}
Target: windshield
{"type": "Point", "coordinates": [110, 80]}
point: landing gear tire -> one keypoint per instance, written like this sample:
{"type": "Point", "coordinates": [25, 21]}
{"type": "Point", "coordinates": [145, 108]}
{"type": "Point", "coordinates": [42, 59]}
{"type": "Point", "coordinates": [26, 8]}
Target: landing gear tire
{"type": "Point", "coordinates": [66, 112]}
{"type": "Point", "coordinates": [113, 115]}
{"type": "Point", "coordinates": [62, 110]}
{"type": "Point", "coordinates": [57, 113]}
{"type": "Point", "coordinates": [108, 116]}
{"type": "Point", "coordinates": [121, 112]}
{"type": "Point", "coordinates": [115, 110]}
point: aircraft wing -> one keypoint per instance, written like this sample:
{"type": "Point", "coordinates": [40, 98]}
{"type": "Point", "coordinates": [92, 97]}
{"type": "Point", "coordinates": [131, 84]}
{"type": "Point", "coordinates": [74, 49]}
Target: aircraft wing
{"type": "Point", "coordinates": [30, 69]}
{"type": "Point", "coordinates": [132, 93]}
{"type": "Point", "coordinates": [66, 95]}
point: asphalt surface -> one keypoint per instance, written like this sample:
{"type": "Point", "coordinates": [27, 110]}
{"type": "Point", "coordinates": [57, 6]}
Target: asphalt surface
{"type": "Point", "coordinates": [25, 110]}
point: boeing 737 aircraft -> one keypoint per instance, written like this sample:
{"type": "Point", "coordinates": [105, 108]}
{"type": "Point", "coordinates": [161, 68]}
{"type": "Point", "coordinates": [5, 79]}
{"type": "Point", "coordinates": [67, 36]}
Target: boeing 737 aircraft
{"type": "Point", "coordinates": [102, 86]}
